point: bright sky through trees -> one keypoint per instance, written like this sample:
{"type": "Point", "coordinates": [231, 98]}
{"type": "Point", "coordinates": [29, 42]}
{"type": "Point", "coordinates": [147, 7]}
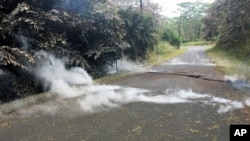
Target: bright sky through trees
{"type": "Point", "coordinates": [170, 8]}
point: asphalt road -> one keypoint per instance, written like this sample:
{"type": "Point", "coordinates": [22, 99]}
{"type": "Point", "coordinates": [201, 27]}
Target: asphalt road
{"type": "Point", "coordinates": [144, 121]}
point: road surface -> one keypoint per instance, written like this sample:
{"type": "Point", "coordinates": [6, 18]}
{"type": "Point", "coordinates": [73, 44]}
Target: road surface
{"type": "Point", "coordinates": [201, 119]}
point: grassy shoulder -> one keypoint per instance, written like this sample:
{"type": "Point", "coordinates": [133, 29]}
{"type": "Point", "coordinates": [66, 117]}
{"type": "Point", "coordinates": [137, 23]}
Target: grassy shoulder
{"type": "Point", "coordinates": [197, 43]}
{"type": "Point", "coordinates": [162, 53]}
{"type": "Point", "coordinates": [231, 62]}
{"type": "Point", "coordinates": [109, 78]}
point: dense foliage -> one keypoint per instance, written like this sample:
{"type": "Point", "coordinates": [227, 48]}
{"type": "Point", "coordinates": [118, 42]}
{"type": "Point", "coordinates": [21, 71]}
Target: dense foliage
{"type": "Point", "coordinates": [170, 36]}
{"type": "Point", "coordinates": [228, 22]}
{"type": "Point", "coordinates": [187, 25]}
{"type": "Point", "coordinates": [141, 33]}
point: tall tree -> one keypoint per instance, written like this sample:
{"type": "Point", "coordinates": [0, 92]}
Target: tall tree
{"type": "Point", "coordinates": [191, 17]}
{"type": "Point", "coordinates": [141, 6]}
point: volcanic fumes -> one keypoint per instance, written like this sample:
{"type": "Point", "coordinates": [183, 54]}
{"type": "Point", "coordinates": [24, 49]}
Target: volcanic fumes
{"type": "Point", "coordinates": [76, 93]}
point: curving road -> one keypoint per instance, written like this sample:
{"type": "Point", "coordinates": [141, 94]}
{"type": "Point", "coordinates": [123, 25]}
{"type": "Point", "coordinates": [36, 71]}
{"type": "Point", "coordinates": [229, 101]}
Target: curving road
{"type": "Point", "coordinates": [205, 115]}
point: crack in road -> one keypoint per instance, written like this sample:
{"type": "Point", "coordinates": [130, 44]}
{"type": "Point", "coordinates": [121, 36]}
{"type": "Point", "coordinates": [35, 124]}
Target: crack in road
{"type": "Point", "coordinates": [196, 76]}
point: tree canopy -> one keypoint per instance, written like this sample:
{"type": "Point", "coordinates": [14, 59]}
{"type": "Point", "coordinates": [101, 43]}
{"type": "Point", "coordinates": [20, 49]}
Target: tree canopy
{"type": "Point", "coordinates": [191, 14]}
{"type": "Point", "coordinates": [228, 22]}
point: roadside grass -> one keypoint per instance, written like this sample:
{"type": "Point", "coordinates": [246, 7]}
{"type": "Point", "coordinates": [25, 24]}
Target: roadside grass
{"type": "Point", "coordinates": [233, 62]}
{"type": "Point", "coordinates": [109, 78]}
{"type": "Point", "coordinates": [197, 43]}
{"type": "Point", "coordinates": [162, 53]}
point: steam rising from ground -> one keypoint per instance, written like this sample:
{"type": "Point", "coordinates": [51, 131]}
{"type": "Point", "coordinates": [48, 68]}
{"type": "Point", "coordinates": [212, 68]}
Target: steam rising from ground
{"type": "Point", "coordinates": [1, 72]}
{"type": "Point", "coordinates": [125, 65]}
{"type": "Point", "coordinates": [199, 61]}
{"type": "Point", "coordinates": [98, 98]}
{"type": "Point", "coordinates": [54, 74]}
{"type": "Point", "coordinates": [238, 82]}
{"type": "Point", "coordinates": [76, 93]}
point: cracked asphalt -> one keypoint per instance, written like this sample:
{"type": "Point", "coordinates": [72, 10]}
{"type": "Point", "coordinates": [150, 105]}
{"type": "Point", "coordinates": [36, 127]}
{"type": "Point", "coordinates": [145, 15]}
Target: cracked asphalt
{"type": "Point", "coordinates": [144, 121]}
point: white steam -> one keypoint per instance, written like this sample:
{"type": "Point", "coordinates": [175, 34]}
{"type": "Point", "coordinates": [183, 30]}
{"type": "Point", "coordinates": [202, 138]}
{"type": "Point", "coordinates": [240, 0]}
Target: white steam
{"type": "Point", "coordinates": [76, 93]}
{"type": "Point", "coordinates": [247, 102]}
{"type": "Point", "coordinates": [98, 98]}
{"type": "Point", "coordinates": [125, 65]}
{"type": "Point", "coordinates": [199, 61]}
{"type": "Point", "coordinates": [23, 40]}
{"type": "Point", "coordinates": [238, 82]}
{"type": "Point", "coordinates": [54, 74]}
{"type": "Point", "coordinates": [1, 72]}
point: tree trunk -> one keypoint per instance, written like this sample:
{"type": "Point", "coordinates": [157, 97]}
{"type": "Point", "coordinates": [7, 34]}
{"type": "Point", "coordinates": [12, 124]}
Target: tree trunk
{"type": "Point", "coordinates": [179, 31]}
{"type": "Point", "coordinates": [141, 6]}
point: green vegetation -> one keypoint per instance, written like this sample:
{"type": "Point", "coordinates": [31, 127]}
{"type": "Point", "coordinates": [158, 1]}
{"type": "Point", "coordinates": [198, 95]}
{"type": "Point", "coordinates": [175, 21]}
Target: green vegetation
{"type": "Point", "coordinates": [162, 53]}
{"type": "Point", "coordinates": [197, 43]}
{"type": "Point", "coordinates": [191, 20]}
{"type": "Point", "coordinates": [231, 62]}
{"type": "Point", "coordinates": [227, 24]}
{"type": "Point", "coordinates": [188, 25]}
{"type": "Point", "coordinates": [110, 78]}
{"type": "Point", "coordinates": [141, 32]}
{"type": "Point", "coordinates": [171, 37]}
